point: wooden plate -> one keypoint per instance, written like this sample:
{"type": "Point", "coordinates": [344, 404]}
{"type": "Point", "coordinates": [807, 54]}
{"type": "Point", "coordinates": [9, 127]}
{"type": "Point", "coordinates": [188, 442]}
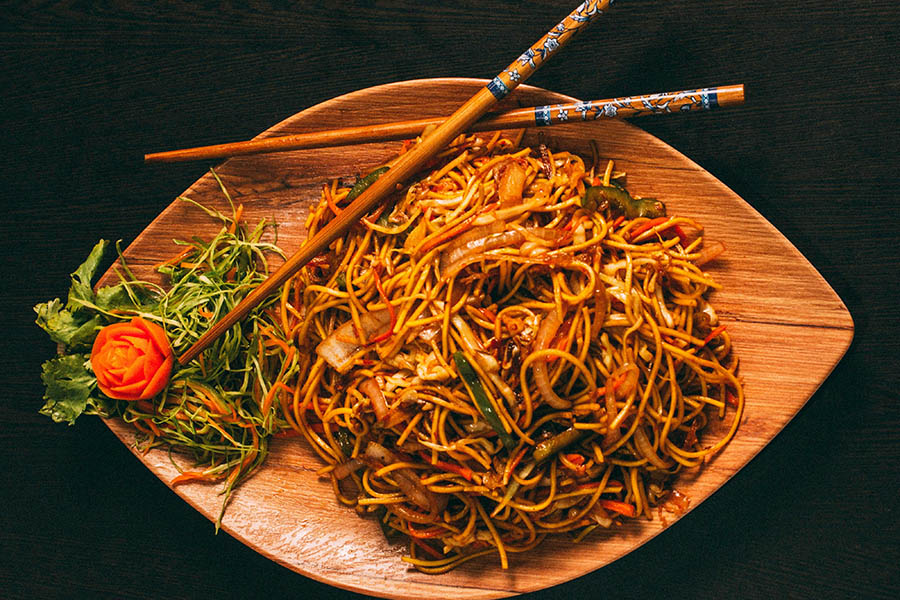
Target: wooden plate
{"type": "Point", "coordinates": [788, 326]}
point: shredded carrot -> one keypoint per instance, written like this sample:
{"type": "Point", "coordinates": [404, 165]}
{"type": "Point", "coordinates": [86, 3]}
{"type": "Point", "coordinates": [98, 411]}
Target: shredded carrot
{"type": "Point", "coordinates": [193, 476]}
{"type": "Point", "coordinates": [171, 261]}
{"type": "Point", "coordinates": [644, 227]}
{"type": "Point", "coordinates": [512, 464]}
{"type": "Point", "coordinates": [465, 472]}
{"type": "Point", "coordinates": [446, 236]}
{"type": "Point", "coordinates": [428, 549]}
{"type": "Point", "coordinates": [426, 533]}
{"type": "Point", "coordinates": [731, 398]}
{"type": "Point", "coordinates": [278, 385]}
{"type": "Point", "coordinates": [275, 340]}
{"type": "Point", "coordinates": [487, 314]}
{"type": "Point", "coordinates": [222, 432]}
{"type": "Point", "coordinates": [250, 457]}
{"type": "Point", "coordinates": [140, 427]}
{"type": "Point", "coordinates": [153, 427]}
{"type": "Point", "coordinates": [575, 459]}
{"type": "Point", "coordinates": [145, 406]}
{"type": "Point", "coordinates": [236, 218]}
{"type": "Point", "coordinates": [680, 233]}
{"type": "Point", "coordinates": [329, 199]}
{"type": "Point", "coordinates": [713, 335]}
{"type": "Point", "coordinates": [623, 508]}
{"type": "Point", "coordinates": [390, 307]}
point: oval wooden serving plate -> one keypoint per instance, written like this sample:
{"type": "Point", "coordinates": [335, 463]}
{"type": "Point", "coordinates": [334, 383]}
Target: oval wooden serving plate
{"type": "Point", "coordinates": [770, 292]}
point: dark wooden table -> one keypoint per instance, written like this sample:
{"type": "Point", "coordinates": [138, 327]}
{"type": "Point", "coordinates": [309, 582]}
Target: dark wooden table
{"type": "Point", "coordinates": [87, 88]}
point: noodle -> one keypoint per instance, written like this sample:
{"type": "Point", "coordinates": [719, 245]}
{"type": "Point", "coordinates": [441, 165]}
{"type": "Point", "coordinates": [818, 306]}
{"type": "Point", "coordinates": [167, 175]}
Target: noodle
{"type": "Point", "coordinates": [514, 347]}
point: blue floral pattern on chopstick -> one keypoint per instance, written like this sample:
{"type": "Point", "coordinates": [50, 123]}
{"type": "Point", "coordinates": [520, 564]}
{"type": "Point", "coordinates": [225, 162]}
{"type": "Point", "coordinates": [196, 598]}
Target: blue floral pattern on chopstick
{"type": "Point", "coordinates": [531, 59]}
{"type": "Point", "coordinates": [631, 106]}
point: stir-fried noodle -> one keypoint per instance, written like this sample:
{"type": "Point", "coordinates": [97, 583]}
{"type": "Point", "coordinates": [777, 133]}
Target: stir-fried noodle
{"type": "Point", "coordinates": [515, 347]}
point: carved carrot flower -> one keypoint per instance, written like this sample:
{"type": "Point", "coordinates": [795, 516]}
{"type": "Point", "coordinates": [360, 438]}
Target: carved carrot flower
{"type": "Point", "coordinates": [133, 360]}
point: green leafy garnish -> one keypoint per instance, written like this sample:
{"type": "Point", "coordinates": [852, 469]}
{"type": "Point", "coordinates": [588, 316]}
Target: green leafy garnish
{"type": "Point", "coordinates": [219, 409]}
{"type": "Point", "coordinates": [81, 289]}
{"type": "Point", "coordinates": [70, 390]}
{"type": "Point", "coordinates": [65, 327]}
{"type": "Point", "coordinates": [70, 324]}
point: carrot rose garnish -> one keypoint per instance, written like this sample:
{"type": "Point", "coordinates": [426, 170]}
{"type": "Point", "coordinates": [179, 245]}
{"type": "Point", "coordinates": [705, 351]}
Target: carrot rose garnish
{"type": "Point", "coordinates": [133, 360]}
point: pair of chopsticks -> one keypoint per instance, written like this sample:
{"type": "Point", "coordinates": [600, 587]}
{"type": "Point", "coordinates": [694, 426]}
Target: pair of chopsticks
{"type": "Point", "coordinates": [466, 118]}
{"type": "Point", "coordinates": [536, 116]}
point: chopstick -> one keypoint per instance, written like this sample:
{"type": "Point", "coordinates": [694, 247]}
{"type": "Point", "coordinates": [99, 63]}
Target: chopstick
{"type": "Point", "coordinates": [408, 164]}
{"type": "Point", "coordinates": [625, 107]}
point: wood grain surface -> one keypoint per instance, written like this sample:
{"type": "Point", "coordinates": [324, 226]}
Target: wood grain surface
{"type": "Point", "coordinates": [87, 88]}
{"type": "Point", "coordinates": [771, 292]}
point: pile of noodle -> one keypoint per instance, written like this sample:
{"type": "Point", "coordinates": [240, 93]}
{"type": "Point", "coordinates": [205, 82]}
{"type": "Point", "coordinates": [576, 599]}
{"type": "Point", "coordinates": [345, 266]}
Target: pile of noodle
{"type": "Point", "coordinates": [589, 333]}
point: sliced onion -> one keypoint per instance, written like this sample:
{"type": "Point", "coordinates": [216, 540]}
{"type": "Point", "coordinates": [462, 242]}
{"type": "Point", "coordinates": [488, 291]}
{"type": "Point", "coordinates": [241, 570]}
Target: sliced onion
{"type": "Point", "coordinates": [709, 251]}
{"type": "Point", "coordinates": [479, 426]}
{"type": "Point", "coordinates": [549, 235]}
{"type": "Point", "coordinates": [666, 315]}
{"type": "Point", "coordinates": [706, 311]}
{"type": "Point", "coordinates": [472, 241]}
{"type": "Point", "coordinates": [470, 341]}
{"type": "Point", "coordinates": [624, 389]}
{"type": "Point", "coordinates": [618, 392]}
{"type": "Point", "coordinates": [600, 516]}
{"type": "Point", "coordinates": [416, 236]}
{"type": "Point", "coordinates": [549, 324]}
{"type": "Point", "coordinates": [396, 416]}
{"type": "Point", "coordinates": [372, 390]}
{"type": "Point", "coordinates": [429, 333]}
{"type": "Point", "coordinates": [510, 182]}
{"type": "Point", "coordinates": [491, 237]}
{"type": "Point", "coordinates": [387, 417]}
{"type": "Point", "coordinates": [408, 481]}
{"type": "Point", "coordinates": [343, 470]}
{"type": "Point", "coordinates": [481, 231]}
{"type": "Point", "coordinates": [642, 443]}
{"type": "Point", "coordinates": [343, 343]}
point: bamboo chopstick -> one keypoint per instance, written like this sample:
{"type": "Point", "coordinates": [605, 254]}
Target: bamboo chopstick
{"type": "Point", "coordinates": [408, 164]}
{"type": "Point", "coordinates": [625, 107]}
